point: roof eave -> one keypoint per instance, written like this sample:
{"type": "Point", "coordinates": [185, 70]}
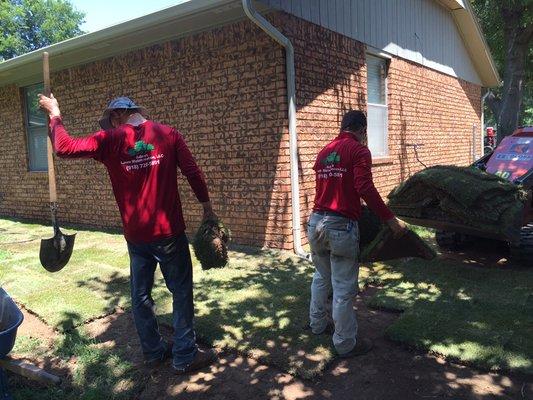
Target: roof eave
{"type": "Point", "coordinates": [98, 39]}
{"type": "Point", "coordinates": [461, 11]}
{"type": "Point", "coordinates": [474, 40]}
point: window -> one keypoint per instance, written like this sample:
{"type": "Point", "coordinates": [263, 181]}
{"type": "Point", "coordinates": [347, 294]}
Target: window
{"type": "Point", "coordinates": [377, 109]}
{"type": "Point", "coordinates": [36, 129]}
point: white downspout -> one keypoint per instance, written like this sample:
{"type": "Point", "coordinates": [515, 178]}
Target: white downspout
{"type": "Point", "coordinates": [483, 121]}
{"type": "Point", "coordinates": [268, 28]}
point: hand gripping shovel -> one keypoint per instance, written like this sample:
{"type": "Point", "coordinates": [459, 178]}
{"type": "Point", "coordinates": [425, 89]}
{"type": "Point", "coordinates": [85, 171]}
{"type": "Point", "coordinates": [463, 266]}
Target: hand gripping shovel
{"type": "Point", "coordinates": [54, 252]}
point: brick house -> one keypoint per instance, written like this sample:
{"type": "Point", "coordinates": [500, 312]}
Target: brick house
{"type": "Point", "coordinates": [416, 66]}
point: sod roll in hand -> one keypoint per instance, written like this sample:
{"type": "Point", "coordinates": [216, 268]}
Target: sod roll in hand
{"type": "Point", "coordinates": [386, 247]}
{"type": "Point", "coordinates": [210, 244]}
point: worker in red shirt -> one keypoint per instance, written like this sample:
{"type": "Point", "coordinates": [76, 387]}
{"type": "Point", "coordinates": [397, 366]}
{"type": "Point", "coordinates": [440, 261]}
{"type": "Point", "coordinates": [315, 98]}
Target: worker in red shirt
{"type": "Point", "coordinates": [343, 178]}
{"type": "Point", "coordinates": [142, 157]}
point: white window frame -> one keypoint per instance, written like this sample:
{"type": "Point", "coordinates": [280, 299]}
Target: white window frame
{"type": "Point", "coordinates": [31, 132]}
{"type": "Point", "coordinates": [383, 107]}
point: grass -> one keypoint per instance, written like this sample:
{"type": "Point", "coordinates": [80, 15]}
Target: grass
{"type": "Point", "coordinates": [258, 305]}
{"type": "Point", "coordinates": [98, 264]}
{"type": "Point", "coordinates": [478, 316]}
{"type": "Point", "coordinates": [29, 345]}
{"type": "Point", "coordinates": [98, 373]}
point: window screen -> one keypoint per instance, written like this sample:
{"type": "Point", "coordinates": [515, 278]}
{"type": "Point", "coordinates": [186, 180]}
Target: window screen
{"type": "Point", "coordinates": [377, 109]}
{"type": "Point", "coordinates": [36, 129]}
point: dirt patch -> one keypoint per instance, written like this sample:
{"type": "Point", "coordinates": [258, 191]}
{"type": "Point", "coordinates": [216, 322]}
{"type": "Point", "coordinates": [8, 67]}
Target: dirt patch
{"type": "Point", "coordinates": [485, 253]}
{"type": "Point", "coordinates": [33, 327]}
{"type": "Point", "coordinates": [117, 330]}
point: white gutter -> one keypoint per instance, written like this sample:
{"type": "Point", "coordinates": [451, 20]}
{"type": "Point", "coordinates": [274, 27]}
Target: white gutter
{"type": "Point", "coordinates": [158, 27]}
{"type": "Point", "coordinates": [183, 8]}
{"type": "Point", "coordinates": [268, 28]}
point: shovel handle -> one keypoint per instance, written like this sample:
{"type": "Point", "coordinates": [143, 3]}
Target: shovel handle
{"type": "Point", "coordinates": [50, 149]}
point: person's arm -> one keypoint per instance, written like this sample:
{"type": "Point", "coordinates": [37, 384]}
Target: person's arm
{"type": "Point", "coordinates": [364, 184]}
{"type": "Point", "coordinates": [65, 145]}
{"type": "Point", "coordinates": [194, 175]}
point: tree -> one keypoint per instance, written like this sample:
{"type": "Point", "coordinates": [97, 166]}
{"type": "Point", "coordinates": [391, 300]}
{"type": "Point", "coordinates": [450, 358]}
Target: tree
{"type": "Point", "coordinates": [508, 27]}
{"type": "Point", "coordinates": [27, 25]}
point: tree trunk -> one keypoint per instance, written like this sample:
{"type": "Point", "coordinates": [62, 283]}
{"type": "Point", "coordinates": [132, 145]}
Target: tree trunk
{"type": "Point", "coordinates": [516, 38]}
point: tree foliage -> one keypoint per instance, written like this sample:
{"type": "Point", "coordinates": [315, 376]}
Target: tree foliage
{"type": "Point", "coordinates": [27, 25]}
{"type": "Point", "coordinates": [508, 28]}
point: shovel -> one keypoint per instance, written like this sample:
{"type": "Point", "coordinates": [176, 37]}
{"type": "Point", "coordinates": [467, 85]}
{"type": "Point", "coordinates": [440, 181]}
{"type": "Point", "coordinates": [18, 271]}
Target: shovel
{"type": "Point", "coordinates": [55, 252]}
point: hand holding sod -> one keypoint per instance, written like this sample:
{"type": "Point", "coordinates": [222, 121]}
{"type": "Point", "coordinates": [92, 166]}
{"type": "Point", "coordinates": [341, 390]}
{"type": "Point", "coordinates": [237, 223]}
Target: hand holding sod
{"type": "Point", "coordinates": [397, 227]}
{"type": "Point", "coordinates": [209, 214]}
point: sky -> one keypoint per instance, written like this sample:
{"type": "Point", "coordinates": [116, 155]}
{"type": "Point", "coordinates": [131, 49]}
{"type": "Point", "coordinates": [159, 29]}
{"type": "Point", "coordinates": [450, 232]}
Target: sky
{"type": "Point", "coordinates": [102, 13]}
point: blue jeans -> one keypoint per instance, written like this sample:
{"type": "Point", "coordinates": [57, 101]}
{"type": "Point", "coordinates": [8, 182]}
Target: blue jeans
{"type": "Point", "coordinates": [334, 244]}
{"type": "Point", "coordinates": [174, 259]}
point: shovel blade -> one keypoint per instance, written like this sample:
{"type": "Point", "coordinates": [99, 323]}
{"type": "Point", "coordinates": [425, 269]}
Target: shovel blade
{"type": "Point", "coordinates": [55, 252]}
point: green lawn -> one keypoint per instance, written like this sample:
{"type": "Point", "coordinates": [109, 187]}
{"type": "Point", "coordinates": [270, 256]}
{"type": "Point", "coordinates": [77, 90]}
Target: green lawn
{"type": "Point", "coordinates": [478, 316]}
{"type": "Point", "coordinates": [258, 304]}
{"type": "Point", "coordinates": [93, 283]}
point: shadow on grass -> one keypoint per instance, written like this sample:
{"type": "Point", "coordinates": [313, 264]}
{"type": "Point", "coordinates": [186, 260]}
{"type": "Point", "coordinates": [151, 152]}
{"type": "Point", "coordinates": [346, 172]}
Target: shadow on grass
{"type": "Point", "coordinates": [89, 369]}
{"type": "Point", "coordinates": [262, 314]}
{"type": "Point", "coordinates": [257, 308]}
{"type": "Point", "coordinates": [470, 313]}
{"type": "Point", "coordinates": [115, 290]}
{"type": "Point", "coordinates": [104, 364]}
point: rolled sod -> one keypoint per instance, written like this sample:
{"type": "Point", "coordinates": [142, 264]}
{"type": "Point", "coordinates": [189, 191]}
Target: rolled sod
{"type": "Point", "coordinates": [210, 244]}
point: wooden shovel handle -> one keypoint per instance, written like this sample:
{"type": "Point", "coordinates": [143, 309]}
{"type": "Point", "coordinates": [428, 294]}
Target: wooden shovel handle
{"type": "Point", "coordinates": [51, 170]}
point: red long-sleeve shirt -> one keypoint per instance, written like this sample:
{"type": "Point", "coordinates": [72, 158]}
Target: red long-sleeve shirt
{"type": "Point", "coordinates": [142, 163]}
{"type": "Point", "coordinates": [344, 176]}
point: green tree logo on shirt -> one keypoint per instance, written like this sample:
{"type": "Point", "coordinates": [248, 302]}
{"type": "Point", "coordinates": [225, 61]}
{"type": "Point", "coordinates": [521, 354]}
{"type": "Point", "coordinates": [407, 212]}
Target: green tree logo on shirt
{"type": "Point", "coordinates": [332, 158]}
{"type": "Point", "coordinates": [140, 148]}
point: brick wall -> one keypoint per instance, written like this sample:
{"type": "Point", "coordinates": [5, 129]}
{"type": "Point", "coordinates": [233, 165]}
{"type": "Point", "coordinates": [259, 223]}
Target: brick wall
{"type": "Point", "coordinates": [21, 194]}
{"type": "Point", "coordinates": [225, 90]}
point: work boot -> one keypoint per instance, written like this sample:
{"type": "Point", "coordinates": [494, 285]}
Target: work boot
{"type": "Point", "coordinates": [161, 358]}
{"type": "Point", "coordinates": [362, 346]}
{"type": "Point", "coordinates": [201, 360]}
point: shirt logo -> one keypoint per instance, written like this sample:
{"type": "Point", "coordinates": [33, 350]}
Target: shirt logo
{"type": "Point", "coordinates": [332, 158]}
{"type": "Point", "coordinates": [140, 148]}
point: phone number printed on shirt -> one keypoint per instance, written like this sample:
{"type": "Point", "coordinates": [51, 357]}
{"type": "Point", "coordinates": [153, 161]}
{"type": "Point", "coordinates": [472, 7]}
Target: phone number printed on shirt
{"type": "Point", "coordinates": [331, 171]}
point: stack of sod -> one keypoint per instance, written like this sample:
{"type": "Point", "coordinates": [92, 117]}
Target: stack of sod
{"type": "Point", "coordinates": [461, 195]}
{"type": "Point", "coordinates": [210, 244]}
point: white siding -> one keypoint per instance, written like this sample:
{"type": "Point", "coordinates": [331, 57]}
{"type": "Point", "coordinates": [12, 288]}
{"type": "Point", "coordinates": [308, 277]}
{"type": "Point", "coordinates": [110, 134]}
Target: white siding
{"type": "Point", "coordinates": [418, 30]}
